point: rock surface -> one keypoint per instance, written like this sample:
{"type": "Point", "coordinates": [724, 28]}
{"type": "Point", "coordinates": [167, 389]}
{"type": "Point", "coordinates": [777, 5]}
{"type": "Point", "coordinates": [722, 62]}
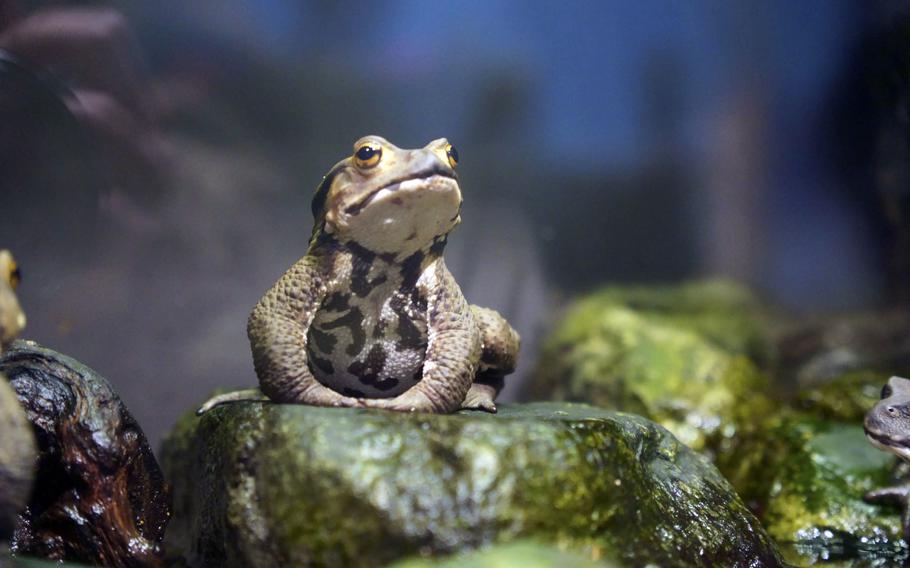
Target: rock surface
{"type": "Point", "coordinates": [695, 360]}
{"type": "Point", "coordinates": [724, 313]}
{"type": "Point", "coordinates": [846, 399]}
{"type": "Point", "coordinates": [807, 477]}
{"type": "Point", "coordinates": [264, 485]}
{"type": "Point", "coordinates": [679, 356]}
{"type": "Point", "coordinates": [99, 494]}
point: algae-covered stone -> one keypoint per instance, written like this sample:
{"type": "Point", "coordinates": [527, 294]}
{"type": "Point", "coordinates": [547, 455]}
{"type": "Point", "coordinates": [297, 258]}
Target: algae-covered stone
{"type": "Point", "coordinates": [845, 399]}
{"type": "Point", "coordinates": [526, 554]}
{"type": "Point", "coordinates": [724, 313]}
{"type": "Point", "coordinates": [807, 477]}
{"type": "Point", "coordinates": [687, 369]}
{"type": "Point", "coordinates": [264, 485]}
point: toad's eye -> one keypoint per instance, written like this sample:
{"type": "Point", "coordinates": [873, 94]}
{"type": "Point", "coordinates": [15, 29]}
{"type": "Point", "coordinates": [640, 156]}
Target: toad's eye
{"type": "Point", "coordinates": [452, 154]}
{"type": "Point", "coordinates": [15, 275]}
{"type": "Point", "coordinates": [368, 155]}
{"type": "Point", "coordinates": [886, 391]}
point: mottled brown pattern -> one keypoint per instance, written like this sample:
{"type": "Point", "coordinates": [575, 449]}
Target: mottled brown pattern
{"type": "Point", "coordinates": [277, 329]}
{"type": "Point", "coordinates": [379, 339]}
{"type": "Point", "coordinates": [500, 341]}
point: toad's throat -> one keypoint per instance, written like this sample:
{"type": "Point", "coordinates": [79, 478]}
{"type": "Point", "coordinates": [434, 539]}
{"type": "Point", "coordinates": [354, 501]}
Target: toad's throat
{"type": "Point", "coordinates": [391, 186]}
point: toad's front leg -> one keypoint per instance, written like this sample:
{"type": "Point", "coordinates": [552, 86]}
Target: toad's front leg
{"type": "Point", "coordinates": [898, 495]}
{"type": "Point", "coordinates": [277, 329]}
{"type": "Point", "coordinates": [500, 344]}
{"type": "Point", "coordinates": [453, 351]}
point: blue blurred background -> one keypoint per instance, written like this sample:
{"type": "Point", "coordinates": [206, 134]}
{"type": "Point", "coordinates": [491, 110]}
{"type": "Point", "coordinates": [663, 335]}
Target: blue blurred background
{"type": "Point", "coordinates": [727, 99]}
{"type": "Point", "coordinates": [600, 142]}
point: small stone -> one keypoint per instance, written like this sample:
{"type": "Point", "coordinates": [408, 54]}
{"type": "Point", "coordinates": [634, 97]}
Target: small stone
{"type": "Point", "coordinates": [684, 356]}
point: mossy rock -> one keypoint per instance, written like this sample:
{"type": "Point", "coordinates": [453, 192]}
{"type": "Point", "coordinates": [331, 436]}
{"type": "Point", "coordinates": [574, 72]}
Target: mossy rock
{"type": "Point", "coordinates": [807, 477]}
{"type": "Point", "coordinates": [263, 485]}
{"type": "Point", "coordinates": [724, 313]}
{"type": "Point", "coordinates": [527, 554]}
{"type": "Point", "coordinates": [671, 366]}
{"type": "Point", "coordinates": [845, 399]}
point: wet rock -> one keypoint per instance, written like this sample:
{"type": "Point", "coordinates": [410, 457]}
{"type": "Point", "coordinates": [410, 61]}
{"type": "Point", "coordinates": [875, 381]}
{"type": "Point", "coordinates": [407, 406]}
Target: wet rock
{"type": "Point", "coordinates": [99, 494]}
{"type": "Point", "coordinates": [678, 355]}
{"type": "Point", "coordinates": [264, 485]}
{"type": "Point", "coordinates": [845, 399]}
{"type": "Point", "coordinates": [527, 554]}
{"type": "Point", "coordinates": [722, 312]}
{"type": "Point", "coordinates": [806, 478]}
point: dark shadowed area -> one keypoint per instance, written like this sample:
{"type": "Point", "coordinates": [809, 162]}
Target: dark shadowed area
{"type": "Point", "coordinates": [157, 159]}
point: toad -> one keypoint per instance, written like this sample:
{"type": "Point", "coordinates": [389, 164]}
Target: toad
{"type": "Point", "coordinates": [370, 316]}
{"type": "Point", "coordinates": [887, 427]}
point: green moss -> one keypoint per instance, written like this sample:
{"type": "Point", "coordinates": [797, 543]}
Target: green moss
{"type": "Point", "coordinates": [689, 357]}
{"type": "Point", "coordinates": [294, 485]}
{"type": "Point", "coordinates": [807, 477]}
{"type": "Point", "coordinates": [658, 363]}
{"type": "Point", "coordinates": [722, 312]}
{"type": "Point", "coordinates": [846, 398]}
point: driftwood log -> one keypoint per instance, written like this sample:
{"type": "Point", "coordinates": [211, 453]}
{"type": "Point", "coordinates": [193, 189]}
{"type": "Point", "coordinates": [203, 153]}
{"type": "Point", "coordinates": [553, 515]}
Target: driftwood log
{"type": "Point", "coordinates": [99, 496]}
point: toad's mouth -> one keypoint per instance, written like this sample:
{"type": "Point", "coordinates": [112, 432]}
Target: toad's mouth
{"type": "Point", "coordinates": [885, 442]}
{"type": "Point", "coordinates": [421, 179]}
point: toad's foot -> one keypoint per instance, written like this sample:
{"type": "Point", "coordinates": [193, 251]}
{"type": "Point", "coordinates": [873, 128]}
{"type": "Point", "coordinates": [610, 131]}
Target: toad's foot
{"type": "Point", "coordinates": [480, 397]}
{"type": "Point", "coordinates": [411, 401]}
{"type": "Point", "coordinates": [255, 395]}
{"type": "Point", "coordinates": [898, 495]}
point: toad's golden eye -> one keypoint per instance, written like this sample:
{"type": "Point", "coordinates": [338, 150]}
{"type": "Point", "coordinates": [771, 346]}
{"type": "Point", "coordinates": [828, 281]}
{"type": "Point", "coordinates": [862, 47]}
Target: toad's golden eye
{"type": "Point", "coordinates": [15, 275]}
{"type": "Point", "coordinates": [368, 155]}
{"type": "Point", "coordinates": [452, 154]}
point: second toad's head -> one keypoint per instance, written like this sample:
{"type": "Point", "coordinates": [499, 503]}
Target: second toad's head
{"type": "Point", "coordinates": [12, 320]}
{"type": "Point", "coordinates": [887, 424]}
